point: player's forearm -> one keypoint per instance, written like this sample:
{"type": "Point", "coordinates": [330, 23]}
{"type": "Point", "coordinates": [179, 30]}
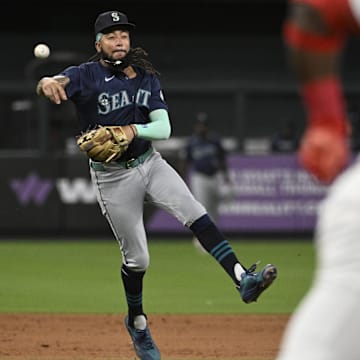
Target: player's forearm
{"type": "Point", "coordinates": [159, 127]}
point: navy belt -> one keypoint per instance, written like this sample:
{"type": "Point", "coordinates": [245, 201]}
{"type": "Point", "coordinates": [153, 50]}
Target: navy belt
{"type": "Point", "coordinates": [128, 164]}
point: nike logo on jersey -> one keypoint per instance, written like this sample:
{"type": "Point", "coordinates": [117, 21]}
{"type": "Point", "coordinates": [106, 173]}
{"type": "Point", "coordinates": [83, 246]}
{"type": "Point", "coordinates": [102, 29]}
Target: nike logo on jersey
{"type": "Point", "coordinates": [109, 78]}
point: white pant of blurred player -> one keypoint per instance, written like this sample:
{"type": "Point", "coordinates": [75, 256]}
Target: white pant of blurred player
{"type": "Point", "coordinates": [326, 324]}
{"type": "Point", "coordinates": [210, 191]}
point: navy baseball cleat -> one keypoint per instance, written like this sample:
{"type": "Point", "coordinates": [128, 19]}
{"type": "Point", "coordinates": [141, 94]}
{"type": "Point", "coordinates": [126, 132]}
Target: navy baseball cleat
{"type": "Point", "coordinates": [252, 284]}
{"type": "Point", "coordinates": [144, 345]}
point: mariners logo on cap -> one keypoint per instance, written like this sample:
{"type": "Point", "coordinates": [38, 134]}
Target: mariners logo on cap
{"type": "Point", "coordinates": [109, 19]}
{"type": "Point", "coordinates": [115, 16]}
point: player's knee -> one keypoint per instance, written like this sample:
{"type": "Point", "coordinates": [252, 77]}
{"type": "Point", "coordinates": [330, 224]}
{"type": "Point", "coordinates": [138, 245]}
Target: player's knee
{"type": "Point", "coordinates": [140, 262]}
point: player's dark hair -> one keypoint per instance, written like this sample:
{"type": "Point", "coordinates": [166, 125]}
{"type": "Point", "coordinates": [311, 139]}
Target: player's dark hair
{"type": "Point", "coordinates": [139, 57]}
{"type": "Point", "coordinates": [136, 56]}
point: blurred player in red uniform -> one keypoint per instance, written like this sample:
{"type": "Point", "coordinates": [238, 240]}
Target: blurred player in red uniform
{"type": "Point", "coordinates": [315, 33]}
{"type": "Point", "coordinates": [327, 322]}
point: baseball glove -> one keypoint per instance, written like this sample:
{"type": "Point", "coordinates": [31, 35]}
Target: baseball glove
{"type": "Point", "coordinates": [104, 143]}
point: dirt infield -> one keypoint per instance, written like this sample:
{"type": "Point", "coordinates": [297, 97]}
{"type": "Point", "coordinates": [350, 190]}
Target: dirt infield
{"type": "Point", "coordinates": [80, 337]}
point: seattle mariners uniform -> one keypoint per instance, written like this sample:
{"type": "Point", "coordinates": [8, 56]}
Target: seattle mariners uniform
{"type": "Point", "coordinates": [119, 86]}
{"type": "Point", "coordinates": [326, 324]}
{"type": "Point", "coordinates": [204, 159]}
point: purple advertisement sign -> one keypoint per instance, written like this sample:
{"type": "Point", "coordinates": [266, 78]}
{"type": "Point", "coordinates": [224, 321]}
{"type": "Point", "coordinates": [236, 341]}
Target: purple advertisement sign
{"type": "Point", "coordinates": [270, 194]}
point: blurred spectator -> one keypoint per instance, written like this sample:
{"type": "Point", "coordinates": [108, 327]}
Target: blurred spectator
{"type": "Point", "coordinates": [203, 165]}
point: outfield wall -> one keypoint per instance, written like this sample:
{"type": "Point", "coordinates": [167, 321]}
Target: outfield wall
{"type": "Point", "coordinates": [54, 195]}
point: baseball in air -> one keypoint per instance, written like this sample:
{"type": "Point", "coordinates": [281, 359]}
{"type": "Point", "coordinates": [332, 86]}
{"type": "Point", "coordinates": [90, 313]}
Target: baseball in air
{"type": "Point", "coordinates": [41, 51]}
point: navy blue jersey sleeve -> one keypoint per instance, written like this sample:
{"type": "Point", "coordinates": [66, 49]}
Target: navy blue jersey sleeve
{"type": "Point", "coordinates": [157, 95]}
{"type": "Point", "coordinates": [73, 73]}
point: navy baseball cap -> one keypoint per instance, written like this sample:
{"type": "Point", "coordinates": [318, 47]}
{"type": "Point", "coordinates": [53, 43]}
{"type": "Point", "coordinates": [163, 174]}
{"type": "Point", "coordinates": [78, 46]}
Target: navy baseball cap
{"type": "Point", "coordinates": [107, 20]}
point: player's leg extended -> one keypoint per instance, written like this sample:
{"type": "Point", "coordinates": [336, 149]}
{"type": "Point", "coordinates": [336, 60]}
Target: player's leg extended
{"type": "Point", "coordinates": [114, 189]}
{"type": "Point", "coordinates": [326, 324]}
{"type": "Point", "coordinates": [171, 193]}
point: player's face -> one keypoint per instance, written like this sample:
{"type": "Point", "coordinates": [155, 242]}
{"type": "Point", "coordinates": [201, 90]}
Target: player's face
{"type": "Point", "coordinates": [114, 45]}
{"type": "Point", "coordinates": [201, 129]}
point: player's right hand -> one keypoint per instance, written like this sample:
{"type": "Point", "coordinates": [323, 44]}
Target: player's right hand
{"type": "Point", "coordinates": [53, 89]}
{"type": "Point", "coordinates": [324, 153]}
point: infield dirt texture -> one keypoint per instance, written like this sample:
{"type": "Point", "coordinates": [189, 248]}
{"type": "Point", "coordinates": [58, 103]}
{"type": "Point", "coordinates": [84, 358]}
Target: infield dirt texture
{"type": "Point", "coordinates": [194, 312]}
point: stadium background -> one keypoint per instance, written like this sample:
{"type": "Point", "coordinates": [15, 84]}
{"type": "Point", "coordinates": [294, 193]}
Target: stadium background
{"type": "Point", "coordinates": [223, 57]}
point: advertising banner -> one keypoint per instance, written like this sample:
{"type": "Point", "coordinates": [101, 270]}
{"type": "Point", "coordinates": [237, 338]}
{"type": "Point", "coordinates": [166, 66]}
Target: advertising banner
{"type": "Point", "coordinates": [269, 194]}
{"type": "Point", "coordinates": [52, 195]}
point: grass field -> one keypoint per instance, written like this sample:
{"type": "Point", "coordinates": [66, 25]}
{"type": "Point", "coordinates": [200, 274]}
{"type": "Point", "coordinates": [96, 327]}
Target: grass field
{"type": "Point", "coordinates": [79, 276]}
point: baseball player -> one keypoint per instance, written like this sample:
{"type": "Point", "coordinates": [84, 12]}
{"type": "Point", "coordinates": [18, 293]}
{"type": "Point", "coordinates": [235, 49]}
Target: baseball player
{"type": "Point", "coordinates": [120, 89]}
{"type": "Point", "coordinates": [205, 157]}
{"type": "Point", "coordinates": [327, 322]}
